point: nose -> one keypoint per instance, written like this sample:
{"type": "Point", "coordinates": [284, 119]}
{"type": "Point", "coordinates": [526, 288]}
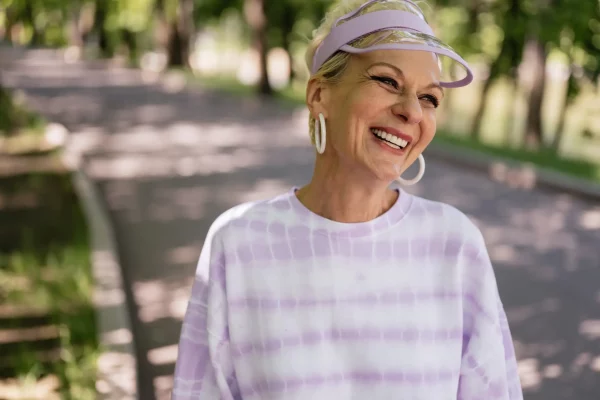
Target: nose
{"type": "Point", "coordinates": [409, 109]}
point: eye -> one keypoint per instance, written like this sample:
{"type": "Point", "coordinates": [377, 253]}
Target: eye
{"type": "Point", "coordinates": [385, 80]}
{"type": "Point", "coordinates": [432, 99]}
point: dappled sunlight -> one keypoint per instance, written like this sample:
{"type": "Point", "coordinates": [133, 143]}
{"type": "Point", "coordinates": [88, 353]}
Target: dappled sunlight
{"type": "Point", "coordinates": [590, 219]}
{"type": "Point", "coordinates": [168, 161]}
{"type": "Point", "coordinates": [163, 355]}
{"type": "Point", "coordinates": [118, 336]}
{"type": "Point", "coordinates": [590, 329]}
{"type": "Point", "coordinates": [174, 82]}
{"type": "Point", "coordinates": [174, 204]}
{"type": "Point", "coordinates": [132, 165]}
{"type": "Point", "coordinates": [157, 300]}
{"type": "Point", "coordinates": [47, 388]}
{"type": "Point", "coordinates": [116, 376]}
{"type": "Point", "coordinates": [523, 313]}
{"type": "Point", "coordinates": [264, 189]}
{"type": "Point", "coordinates": [182, 255]}
{"type": "Point", "coordinates": [544, 249]}
{"type": "Point", "coordinates": [504, 253]}
{"type": "Point", "coordinates": [552, 371]}
{"type": "Point", "coordinates": [108, 291]}
{"type": "Point", "coordinates": [529, 373]}
{"type": "Point", "coordinates": [72, 106]}
{"type": "Point", "coordinates": [163, 386]}
{"type": "Point", "coordinates": [582, 361]}
{"type": "Point", "coordinates": [595, 364]}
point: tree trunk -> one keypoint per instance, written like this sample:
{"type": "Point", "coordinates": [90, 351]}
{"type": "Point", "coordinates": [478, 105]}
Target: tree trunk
{"type": "Point", "coordinates": [6, 111]}
{"type": "Point", "coordinates": [560, 128]}
{"type": "Point", "coordinates": [85, 24]}
{"type": "Point", "coordinates": [161, 26]}
{"type": "Point", "coordinates": [509, 54]}
{"type": "Point", "coordinates": [288, 25]}
{"type": "Point", "coordinates": [174, 46]}
{"type": "Point", "coordinates": [180, 35]}
{"type": "Point", "coordinates": [37, 38]}
{"type": "Point", "coordinates": [533, 126]}
{"type": "Point", "coordinates": [476, 125]}
{"type": "Point", "coordinates": [75, 35]}
{"type": "Point", "coordinates": [510, 118]}
{"type": "Point", "coordinates": [130, 40]}
{"type": "Point", "coordinates": [9, 22]}
{"type": "Point", "coordinates": [104, 43]}
{"type": "Point", "coordinates": [254, 11]}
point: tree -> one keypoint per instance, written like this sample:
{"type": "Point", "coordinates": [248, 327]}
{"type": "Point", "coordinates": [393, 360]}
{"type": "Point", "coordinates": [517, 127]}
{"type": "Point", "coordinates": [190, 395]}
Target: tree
{"type": "Point", "coordinates": [512, 22]}
{"type": "Point", "coordinates": [105, 44]}
{"type": "Point", "coordinates": [180, 30]}
{"type": "Point", "coordinates": [567, 25]}
{"type": "Point", "coordinates": [282, 17]}
{"type": "Point", "coordinates": [580, 23]}
{"type": "Point", "coordinates": [533, 126]}
{"type": "Point", "coordinates": [254, 12]}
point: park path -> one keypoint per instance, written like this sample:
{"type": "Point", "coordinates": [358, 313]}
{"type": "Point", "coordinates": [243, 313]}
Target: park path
{"type": "Point", "coordinates": [168, 159]}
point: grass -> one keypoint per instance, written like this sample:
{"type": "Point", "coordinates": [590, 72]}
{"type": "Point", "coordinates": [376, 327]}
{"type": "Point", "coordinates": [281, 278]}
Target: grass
{"type": "Point", "coordinates": [542, 158]}
{"type": "Point", "coordinates": [15, 118]}
{"type": "Point", "coordinates": [47, 321]}
{"type": "Point", "coordinates": [547, 159]}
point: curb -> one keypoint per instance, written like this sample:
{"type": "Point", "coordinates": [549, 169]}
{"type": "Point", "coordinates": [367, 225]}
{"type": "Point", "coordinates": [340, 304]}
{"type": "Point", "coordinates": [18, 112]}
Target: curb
{"type": "Point", "coordinates": [117, 365]}
{"type": "Point", "coordinates": [515, 174]}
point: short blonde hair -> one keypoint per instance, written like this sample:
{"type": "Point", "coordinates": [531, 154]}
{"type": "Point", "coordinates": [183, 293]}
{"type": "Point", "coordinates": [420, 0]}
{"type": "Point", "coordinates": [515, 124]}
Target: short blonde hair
{"type": "Point", "coordinates": [332, 70]}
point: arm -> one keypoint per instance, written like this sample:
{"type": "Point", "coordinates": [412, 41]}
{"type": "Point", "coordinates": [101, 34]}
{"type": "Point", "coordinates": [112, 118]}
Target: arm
{"type": "Point", "coordinates": [204, 368]}
{"type": "Point", "coordinates": [489, 366]}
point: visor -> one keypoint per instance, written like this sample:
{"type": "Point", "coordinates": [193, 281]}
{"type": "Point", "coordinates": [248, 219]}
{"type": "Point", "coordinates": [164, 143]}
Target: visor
{"type": "Point", "coordinates": [403, 28]}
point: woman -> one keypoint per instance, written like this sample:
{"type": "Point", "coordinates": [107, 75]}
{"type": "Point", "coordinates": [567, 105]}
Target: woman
{"type": "Point", "coordinates": [347, 288]}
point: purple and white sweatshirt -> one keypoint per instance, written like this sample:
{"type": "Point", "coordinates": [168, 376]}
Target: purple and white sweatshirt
{"type": "Point", "coordinates": [288, 305]}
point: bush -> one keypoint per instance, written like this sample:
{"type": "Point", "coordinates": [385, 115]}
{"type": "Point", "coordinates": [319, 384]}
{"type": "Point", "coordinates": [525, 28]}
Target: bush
{"type": "Point", "coordinates": [14, 117]}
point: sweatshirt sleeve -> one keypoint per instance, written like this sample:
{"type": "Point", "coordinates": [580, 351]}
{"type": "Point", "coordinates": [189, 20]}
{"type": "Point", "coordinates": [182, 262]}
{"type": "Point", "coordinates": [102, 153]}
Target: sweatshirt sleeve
{"type": "Point", "coordinates": [204, 368]}
{"type": "Point", "coordinates": [489, 366]}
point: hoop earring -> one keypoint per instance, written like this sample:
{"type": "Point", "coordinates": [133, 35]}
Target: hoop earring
{"type": "Point", "coordinates": [320, 134]}
{"type": "Point", "coordinates": [416, 179]}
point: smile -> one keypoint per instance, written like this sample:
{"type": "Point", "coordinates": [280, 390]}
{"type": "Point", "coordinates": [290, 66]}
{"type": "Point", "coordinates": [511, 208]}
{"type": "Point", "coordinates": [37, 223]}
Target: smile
{"type": "Point", "coordinates": [389, 139]}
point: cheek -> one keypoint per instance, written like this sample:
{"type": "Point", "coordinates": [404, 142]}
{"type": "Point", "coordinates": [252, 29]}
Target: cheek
{"type": "Point", "coordinates": [428, 127]}
{"type": "Point", "coordinates": [356, 114]}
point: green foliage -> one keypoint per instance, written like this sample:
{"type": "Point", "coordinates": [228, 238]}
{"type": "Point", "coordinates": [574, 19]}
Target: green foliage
{"type": "Point", "coordinates": [132, 15]}
{"type": "Point", "coordinates": [207, 9]}
{"type": "Point", "coordinates": [45, 272]}
{"type": "Point", "coordinates": [15, 118]}
{"type": "Point", "coordinates": [543, 158]}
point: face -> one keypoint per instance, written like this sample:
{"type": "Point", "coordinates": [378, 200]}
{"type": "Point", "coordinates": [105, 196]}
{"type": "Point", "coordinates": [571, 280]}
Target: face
{"type": "Point", "coordinates": [382, 114]}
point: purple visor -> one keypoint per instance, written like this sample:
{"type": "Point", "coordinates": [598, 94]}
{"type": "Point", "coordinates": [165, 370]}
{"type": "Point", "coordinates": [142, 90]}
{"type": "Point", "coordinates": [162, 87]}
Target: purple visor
{"type": "Point", "coordinates": [401, 29]}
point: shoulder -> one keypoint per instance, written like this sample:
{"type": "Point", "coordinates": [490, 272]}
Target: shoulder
{"type": "Point", "coordinates": [448, 220]}
{"type": "Point", "coordinates": [231, 226]}
{"type": "Point", "coordinates": [245, 215]}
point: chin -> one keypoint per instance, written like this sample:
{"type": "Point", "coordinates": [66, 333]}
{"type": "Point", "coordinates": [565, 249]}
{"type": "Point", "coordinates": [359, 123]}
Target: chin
{"type": "Point", "coordinates": [386, 176]}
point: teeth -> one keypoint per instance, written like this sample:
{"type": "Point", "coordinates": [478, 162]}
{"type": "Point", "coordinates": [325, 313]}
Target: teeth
{"type": "Point", "coordinates": [399, 143]}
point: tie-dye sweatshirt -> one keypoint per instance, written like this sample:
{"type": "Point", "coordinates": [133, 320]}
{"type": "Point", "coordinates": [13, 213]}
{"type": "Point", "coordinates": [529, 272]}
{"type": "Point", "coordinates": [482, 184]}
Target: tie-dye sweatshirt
{"type": "Point", "coordinates": [288, 305]}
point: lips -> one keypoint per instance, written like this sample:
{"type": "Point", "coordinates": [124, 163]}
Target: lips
{"type": "Point", "coordinates": [391, 137]}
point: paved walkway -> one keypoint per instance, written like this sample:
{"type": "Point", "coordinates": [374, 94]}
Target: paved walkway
{"type": "Point", "coordinates": [168, 161]}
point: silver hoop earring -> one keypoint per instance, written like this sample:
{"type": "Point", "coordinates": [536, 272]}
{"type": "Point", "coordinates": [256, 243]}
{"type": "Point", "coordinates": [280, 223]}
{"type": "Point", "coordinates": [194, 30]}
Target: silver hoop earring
{"type": "Point", "coordinates": [416, 179]}
{"type": "Point", "coordinates": [320, 134]}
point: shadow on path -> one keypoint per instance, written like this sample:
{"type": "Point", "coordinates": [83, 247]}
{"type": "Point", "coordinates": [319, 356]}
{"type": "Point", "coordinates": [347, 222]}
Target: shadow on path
{"type": "Point", "coordinates": [169, 162]}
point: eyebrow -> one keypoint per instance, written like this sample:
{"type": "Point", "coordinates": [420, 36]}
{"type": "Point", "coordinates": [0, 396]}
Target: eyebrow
{"type": "Point", "coordinates": [433, 85]}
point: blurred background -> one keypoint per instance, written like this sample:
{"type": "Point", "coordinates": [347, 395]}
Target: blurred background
{"type": "Point", "coordinates": [127, 126]}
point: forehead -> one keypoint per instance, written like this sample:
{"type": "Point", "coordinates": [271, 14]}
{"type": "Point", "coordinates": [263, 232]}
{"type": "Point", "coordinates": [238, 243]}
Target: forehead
{"type": "Point", "coordinates": [420, 66]}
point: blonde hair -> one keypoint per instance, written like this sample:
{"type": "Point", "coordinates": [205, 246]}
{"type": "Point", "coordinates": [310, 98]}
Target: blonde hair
{"type": "Point", "coordinates": [332, 70]}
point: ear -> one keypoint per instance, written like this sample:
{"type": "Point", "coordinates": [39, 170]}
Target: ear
{"type": "Point", "coordinates": [317, 97]}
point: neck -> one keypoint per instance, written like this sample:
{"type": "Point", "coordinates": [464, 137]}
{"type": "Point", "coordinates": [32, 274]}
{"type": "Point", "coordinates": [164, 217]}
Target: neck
{"type": "Point", "coordinates": [344, 194]}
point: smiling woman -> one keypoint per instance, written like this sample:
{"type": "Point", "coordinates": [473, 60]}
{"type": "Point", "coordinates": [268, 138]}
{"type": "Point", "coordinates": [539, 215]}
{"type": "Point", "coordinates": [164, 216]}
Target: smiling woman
{"type": "Point", "coordinates": [348, 287]}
